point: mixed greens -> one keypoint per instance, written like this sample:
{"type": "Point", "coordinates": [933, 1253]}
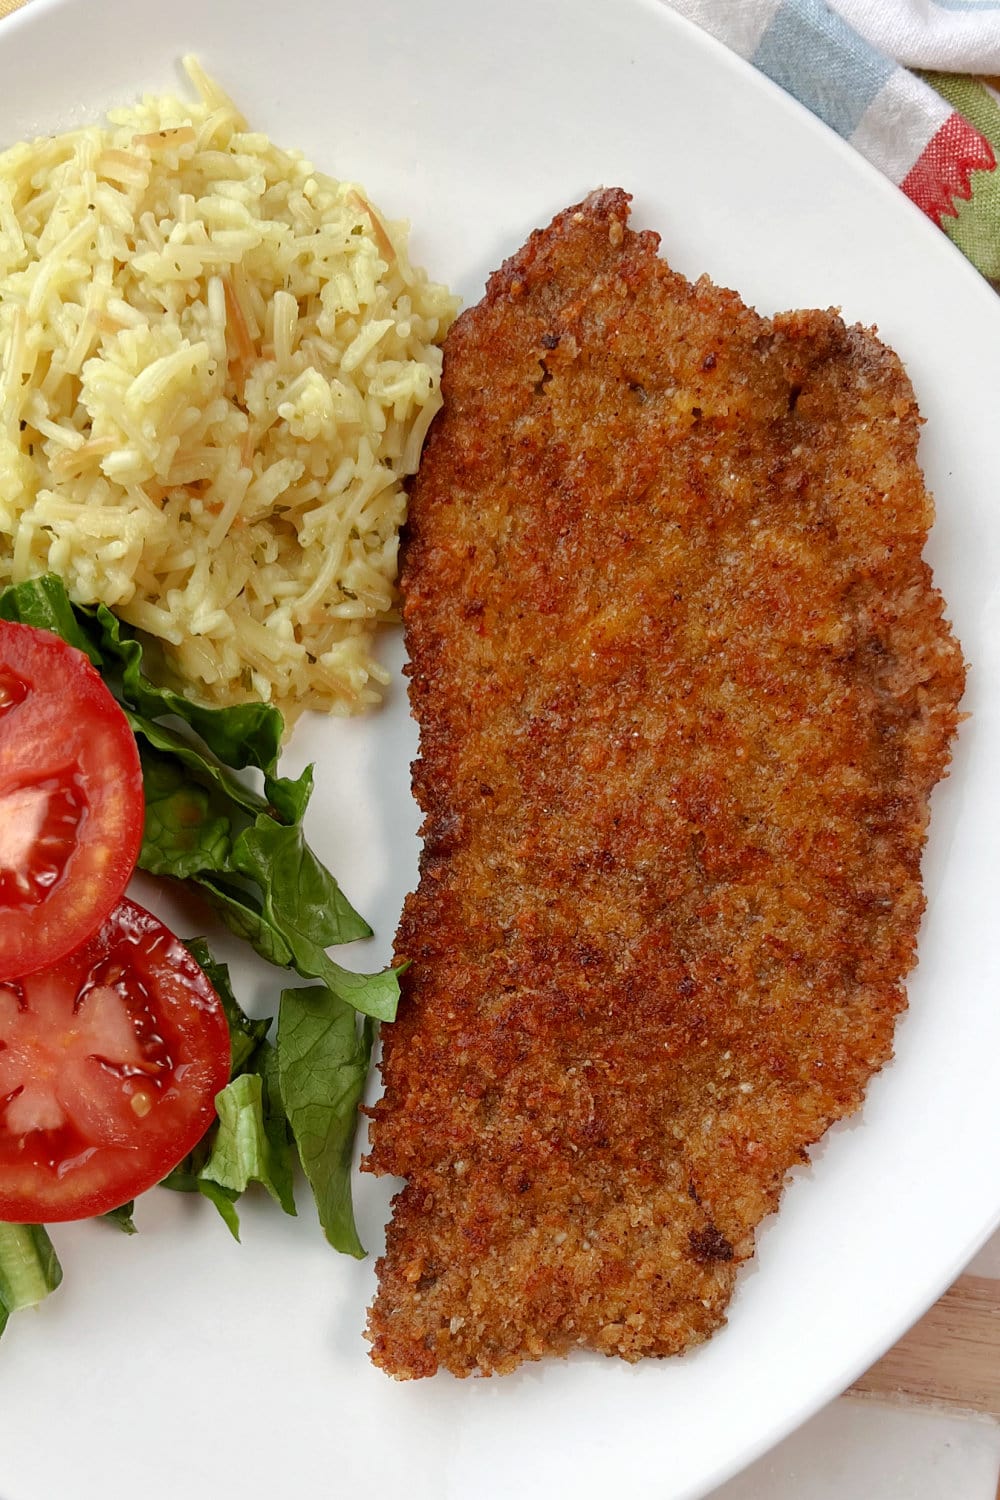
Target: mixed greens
{"type": "Point", "coordinates": [294, 1098]}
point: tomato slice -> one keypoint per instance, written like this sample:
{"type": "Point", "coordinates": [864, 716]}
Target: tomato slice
{"type": "Point", "coordinates": [109, 1067]}
{"type": "Point", "coordinates": [71, 801]}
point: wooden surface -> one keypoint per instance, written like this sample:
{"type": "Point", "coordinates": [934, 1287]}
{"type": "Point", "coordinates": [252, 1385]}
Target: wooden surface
{"type": "Point", "coordinates": [951, 1358]}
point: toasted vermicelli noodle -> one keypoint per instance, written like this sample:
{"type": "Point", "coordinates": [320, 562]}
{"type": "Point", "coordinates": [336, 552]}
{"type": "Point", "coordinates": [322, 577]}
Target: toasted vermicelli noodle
{"type": "Point", "coordinates": [217, 367]}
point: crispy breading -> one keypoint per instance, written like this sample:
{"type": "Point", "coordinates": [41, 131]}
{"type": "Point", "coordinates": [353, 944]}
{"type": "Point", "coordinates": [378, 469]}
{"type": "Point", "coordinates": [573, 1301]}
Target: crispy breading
{"type": "Point", "coordinates": [684, 686]}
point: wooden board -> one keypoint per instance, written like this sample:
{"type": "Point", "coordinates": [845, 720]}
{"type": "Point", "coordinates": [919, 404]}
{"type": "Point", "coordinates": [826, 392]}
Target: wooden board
{"type": "Point", "coordinates": [951, 1357]}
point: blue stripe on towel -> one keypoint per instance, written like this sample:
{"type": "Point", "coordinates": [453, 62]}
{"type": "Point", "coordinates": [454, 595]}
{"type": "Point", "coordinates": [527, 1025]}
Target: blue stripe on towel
{"type": "Point", "coordinates": [967, 4]}
{"type": "Point", "coordinates": [823, 62]}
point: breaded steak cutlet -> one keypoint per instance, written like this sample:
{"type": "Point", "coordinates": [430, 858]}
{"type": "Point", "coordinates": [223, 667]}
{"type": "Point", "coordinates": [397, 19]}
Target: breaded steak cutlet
{"type": "Point", "coordinates": [684, 686]}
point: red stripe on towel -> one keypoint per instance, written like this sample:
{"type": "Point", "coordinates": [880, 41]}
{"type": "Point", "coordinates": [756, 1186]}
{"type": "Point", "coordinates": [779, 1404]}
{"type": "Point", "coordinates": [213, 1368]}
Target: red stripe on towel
{"type": "Point", "coordinates": [942, 171]}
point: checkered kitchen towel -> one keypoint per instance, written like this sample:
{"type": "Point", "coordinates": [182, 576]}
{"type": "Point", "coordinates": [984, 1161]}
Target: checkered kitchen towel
{"type": "Point", "coordinates": [936, 134]}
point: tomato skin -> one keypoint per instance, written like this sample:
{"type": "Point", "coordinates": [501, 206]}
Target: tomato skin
{"type": "Point", "coordinates": [71, 799]}
{"type": "Point", "coordinates": [109, 1069]}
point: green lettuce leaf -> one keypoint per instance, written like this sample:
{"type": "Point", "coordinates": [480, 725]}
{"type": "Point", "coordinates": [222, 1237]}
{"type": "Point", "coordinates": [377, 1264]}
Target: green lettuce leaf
{"type": "Point", "coordinates": [288, 799]}
{"type": "Point", "coordinates": [323, 1056]}
{"type": "Point", "coordinates": [241, 911]}
{"type": "Point", "coordinates": [185, 1176]}
{"type": "Point", "coordinates": [245, 1034]}
{"type": "Point", "coordinates": [252, 1143]}
{"type": "Point", "coordinates": [267, 885]}
{"type": "Point", "coordinates": [45, 604]}
{"type": "Point", "coordinates": [261, 876]}
{"type": "Point", "coordinates": [301, 897]}
{"type": "Point", "coordinates": [162, 743]}
{"type": "Point", "coordinates": [188, 828]}
{"type": "Point", "coordinates": [29, 1268]}
{"type": "Point", "coordinates": [122, 1217]}
{"type": "Point", "coordinates": [246, 1038]}
{"type": "Point", "coordinates": [247, 734]}
{"type": "Point", "coordinates": [224, 1200]}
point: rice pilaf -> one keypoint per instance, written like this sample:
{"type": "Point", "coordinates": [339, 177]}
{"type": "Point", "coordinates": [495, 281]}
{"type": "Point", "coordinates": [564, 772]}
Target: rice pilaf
{"type": "Point", "coordinates": [217, 367]}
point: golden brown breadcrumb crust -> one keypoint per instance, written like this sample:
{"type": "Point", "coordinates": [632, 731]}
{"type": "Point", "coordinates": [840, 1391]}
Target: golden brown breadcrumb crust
{"type": "Point", "coordinates": [683, 686]}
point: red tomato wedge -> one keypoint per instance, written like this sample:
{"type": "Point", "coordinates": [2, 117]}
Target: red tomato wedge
{"type": "Point", "coordinates": [71, 801]}
{"type": "Point", "coordinates": [109, 1067]}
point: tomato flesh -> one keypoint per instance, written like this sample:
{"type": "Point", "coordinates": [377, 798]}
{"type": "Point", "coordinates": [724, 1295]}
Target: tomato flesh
{"type": "Point", "coordinates": [109, 1067]}
{"type": "Point", "coordinates": [71, 799]}
{"type": "Point", "coordinates": [39, 823]}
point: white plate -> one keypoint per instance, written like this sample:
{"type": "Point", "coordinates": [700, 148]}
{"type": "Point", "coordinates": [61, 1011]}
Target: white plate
{"type": "Point", "coordinates": [179, 1363]}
